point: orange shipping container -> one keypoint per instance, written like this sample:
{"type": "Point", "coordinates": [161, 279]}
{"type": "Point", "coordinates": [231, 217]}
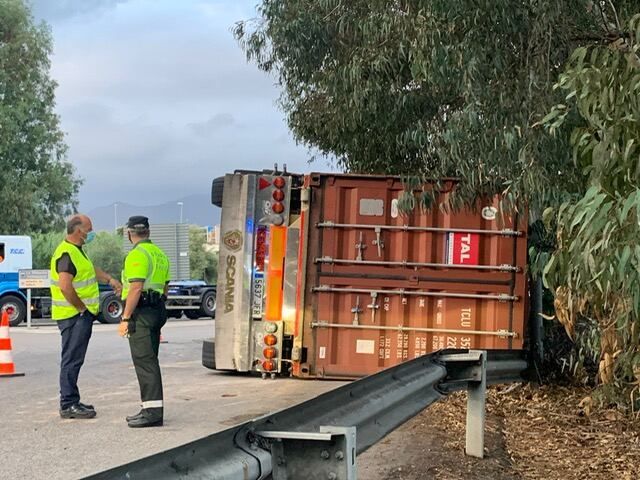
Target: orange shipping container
{"type": "Point", "coordinates": [383, 287]}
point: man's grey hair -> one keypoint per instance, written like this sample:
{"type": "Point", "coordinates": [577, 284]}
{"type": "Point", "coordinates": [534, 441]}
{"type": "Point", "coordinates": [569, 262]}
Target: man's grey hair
{"type": "Point", "coordinates": [73, 223]}
{"type": "Point", "coordinates": [140, 232]}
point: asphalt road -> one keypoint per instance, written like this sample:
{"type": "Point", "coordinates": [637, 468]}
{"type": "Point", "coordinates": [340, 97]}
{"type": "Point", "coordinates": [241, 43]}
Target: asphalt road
{"type": "Point", "coordinates": [38, 444]}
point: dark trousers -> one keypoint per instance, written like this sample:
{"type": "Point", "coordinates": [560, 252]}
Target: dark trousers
{"type": "Point", "coordinates": [76, 332]}
{"type": "Point", "coordinates": [144, 344]}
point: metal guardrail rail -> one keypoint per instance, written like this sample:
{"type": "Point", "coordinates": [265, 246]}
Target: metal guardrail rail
{"type": "Point", "coordinates": [324, 428]}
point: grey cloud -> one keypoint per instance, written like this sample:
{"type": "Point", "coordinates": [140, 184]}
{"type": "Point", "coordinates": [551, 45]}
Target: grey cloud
{"type": "Point", "coordinates": [214, 124]}
{"type": "Point", "coordinates": [146, 163]}
{"type": "Point", "coordinates": [175, 68]}
{"type": "Point", "coordinates": [52, 10]}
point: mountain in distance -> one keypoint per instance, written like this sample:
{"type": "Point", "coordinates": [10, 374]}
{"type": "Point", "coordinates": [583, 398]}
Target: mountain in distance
{"type": "Point", "coordinates": [197, 210]}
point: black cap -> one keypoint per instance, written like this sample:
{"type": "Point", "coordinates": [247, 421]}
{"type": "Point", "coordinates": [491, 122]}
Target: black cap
{"type": "Point", "coordinates": [138, 222]}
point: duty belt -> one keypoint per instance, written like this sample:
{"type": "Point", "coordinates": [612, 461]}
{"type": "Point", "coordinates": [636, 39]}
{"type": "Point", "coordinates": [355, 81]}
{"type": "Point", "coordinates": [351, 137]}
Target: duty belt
{"type": "Point", "coordinates": [151, 298]}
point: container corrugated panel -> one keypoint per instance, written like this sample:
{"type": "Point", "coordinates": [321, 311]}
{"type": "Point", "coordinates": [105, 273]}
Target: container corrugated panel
{"type": "Point", "coordinates": [379, 293]}
{"type": "Point", "coordinates": [173, 239]}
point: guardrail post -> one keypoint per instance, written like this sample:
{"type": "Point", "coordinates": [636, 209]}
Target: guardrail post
{"type": "Point", "coordinates": [329, 454]}
{"type": "Point", "coordinates": [476, 408]}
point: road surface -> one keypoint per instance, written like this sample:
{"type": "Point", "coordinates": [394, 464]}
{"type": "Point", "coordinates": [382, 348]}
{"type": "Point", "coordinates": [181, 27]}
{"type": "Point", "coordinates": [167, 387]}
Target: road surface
{"type": "Point", "coordinates": [38, 444]}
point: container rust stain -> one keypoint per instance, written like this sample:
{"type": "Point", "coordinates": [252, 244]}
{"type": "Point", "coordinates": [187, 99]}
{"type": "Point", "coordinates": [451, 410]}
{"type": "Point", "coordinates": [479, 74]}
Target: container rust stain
{"type": "Point", "coordinates": [383, 287]}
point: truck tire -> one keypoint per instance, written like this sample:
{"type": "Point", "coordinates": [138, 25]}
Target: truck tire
{"type": "Point", "coordinates": [111, 309]}
{"type": "Point", "coordinates": [15, 307]}
{"type": "Point", "coordinates": [208, 304]}
{"type": "Point", "coordinates": [217, 189]}
{"type": "Point", "coordinates": [209, 353]}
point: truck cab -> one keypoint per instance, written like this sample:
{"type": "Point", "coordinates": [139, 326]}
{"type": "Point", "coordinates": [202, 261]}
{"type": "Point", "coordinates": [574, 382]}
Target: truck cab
{"type": "Point", "coordinates": [15, 255]}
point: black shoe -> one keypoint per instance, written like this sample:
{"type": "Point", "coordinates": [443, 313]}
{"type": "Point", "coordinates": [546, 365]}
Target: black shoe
{"type": "Point", "coordinates": [137, 415]}
{"type": "Point", "coordinates": [143, 421]}
{"type": "Point", "coordinates": [76, 411]}
{"type": "Point", "coordinates": [86, 407]}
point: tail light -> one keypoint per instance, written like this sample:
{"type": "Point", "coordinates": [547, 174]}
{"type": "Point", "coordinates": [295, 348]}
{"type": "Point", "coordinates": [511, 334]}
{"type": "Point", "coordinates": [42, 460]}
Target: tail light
{"type": "Point", "coordinates": [279, 182]}
{"type": "Point", "coordinates": [270, 340]}
{"type": "Point", "coordinates": [278, 207]}
{"type": "Point", "coordinates": [278, 195]}
{"type": "Point", "coordinates": [269, 353]}
{"type": "Point", "coordinates": [268, 365]}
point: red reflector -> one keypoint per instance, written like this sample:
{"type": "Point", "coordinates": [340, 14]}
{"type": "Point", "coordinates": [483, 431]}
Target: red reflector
{"type": "Point", "coordinates": [278, 207]}
{"type": "Point", "coordinates": [278, 195]}
{"type": "Point", "coordinates": [270, 340]}
{"type": "Point", "coordinates": [263, 183]}
{"type": "Point", "coordinates": [268, 365]}
{"type": "Point", "coordinates": [279, 182]}
{"type": "Point", "coordinates": [269, 353]}
{"type": "Point", "coordinates": [261, 248]}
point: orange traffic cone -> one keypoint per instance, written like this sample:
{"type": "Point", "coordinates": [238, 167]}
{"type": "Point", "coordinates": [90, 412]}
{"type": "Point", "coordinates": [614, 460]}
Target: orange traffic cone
{"type": "Point", "coordinates": [7, 368]}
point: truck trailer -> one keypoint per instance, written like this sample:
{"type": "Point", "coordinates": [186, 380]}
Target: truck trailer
{"type": "Point", "coordinates": [324, 276]}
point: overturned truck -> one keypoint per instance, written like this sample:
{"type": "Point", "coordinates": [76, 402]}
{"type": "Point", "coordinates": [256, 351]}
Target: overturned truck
{"type": "Point", "coordinates": [324, 276]}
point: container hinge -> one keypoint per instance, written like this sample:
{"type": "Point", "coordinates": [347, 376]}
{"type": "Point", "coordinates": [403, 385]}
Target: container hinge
{"type": "Point", "coordinates": [506, 298]}
{"type": "Point", "coordinates": [506, 334]}
{"type": "Point", "coordinates": [330, 454]}
{"type": "Point", "coordinates": [505, 267]}
{"type": "Point", "coordinates": [328, 260]}
{"type": "Point", "coordinates": [507, 232]}
{"type": "Point", "coordinates": [321, 288]}
{"type": "Point", "coordinates": [296, 354]}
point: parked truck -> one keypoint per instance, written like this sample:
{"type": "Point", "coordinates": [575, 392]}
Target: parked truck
{"type": "Point", "coordinates": [194, 298]}
{"type": "Point", "coordinates": [16, 254]}
{"type": "Point", "coordinates": [323, 275]}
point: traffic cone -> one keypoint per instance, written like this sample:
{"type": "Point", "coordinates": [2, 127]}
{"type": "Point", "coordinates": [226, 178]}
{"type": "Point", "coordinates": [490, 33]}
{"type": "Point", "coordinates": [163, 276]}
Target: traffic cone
{"type": "Point", "coordinates": [7, 367]}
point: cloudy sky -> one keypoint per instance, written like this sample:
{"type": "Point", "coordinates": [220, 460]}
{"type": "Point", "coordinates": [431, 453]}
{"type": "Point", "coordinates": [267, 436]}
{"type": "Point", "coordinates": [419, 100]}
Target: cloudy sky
{"type": "Point", "coordinates": [157, 99]}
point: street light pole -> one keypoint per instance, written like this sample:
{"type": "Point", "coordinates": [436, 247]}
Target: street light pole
{"type": "Point", "coordinates": [181, 205]}
{"type": "Point", "coordinates": [115, 217]}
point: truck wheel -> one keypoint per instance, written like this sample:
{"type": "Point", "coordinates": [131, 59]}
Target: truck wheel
{"type": "Point", "coordinates": [209, 353]}
{"type": "Point", "coordinates": [15, 307]}
{"type": "Point", "coordinates": [208, 305]}
{"type": "Point", "coordinates": [111, 309]}
{"type": "Point", "coordinates": [217, 189]}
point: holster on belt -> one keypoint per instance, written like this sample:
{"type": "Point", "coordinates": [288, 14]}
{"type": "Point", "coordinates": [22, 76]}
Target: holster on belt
{"type": "Point", "coordinates": [151, 299]}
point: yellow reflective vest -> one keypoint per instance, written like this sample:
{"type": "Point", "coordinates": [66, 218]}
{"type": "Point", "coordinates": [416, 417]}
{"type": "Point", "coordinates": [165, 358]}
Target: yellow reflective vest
{"type": "Point", "coordinates": [145, 263]}
{"type": "Point", "coordinates": [85, 283]}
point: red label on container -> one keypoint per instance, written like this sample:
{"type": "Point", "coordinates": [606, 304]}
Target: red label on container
{"type": "Point", "coordinates": [463, 249]}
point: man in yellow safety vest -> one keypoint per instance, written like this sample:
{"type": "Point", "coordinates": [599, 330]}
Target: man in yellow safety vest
{"type": "Point", "coordinates": [75, 301]}
{"type": "Point", "coordinates": [145, 278]}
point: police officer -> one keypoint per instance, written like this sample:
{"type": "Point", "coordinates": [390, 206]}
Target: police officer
{"type": "Point", "coordinates": [75, 299]}
{"type": "Point", "coordinates": [145, 278]}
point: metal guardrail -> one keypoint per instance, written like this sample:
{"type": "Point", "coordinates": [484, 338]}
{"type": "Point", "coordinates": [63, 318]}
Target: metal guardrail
{"type": "Point", "coordinates": [319, 433]}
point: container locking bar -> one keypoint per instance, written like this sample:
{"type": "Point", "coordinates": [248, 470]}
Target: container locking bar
{"type": "Point", "coordinates": [400, 328]}
{"type": "Point", "coordinates": [413, 293]}
{"type": "Point", "coordinates": [507, 232]}
{"type": "Point", "coordinates": [408, 264]}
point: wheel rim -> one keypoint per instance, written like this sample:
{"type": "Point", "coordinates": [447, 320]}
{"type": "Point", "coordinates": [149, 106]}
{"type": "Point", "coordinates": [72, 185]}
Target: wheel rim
{"type": "Point", "coordinates": [210, 303]}
{"type": "Point", "coordinates": [114, 308]}
{"type": "Point", "coordinates": [12, 310]}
